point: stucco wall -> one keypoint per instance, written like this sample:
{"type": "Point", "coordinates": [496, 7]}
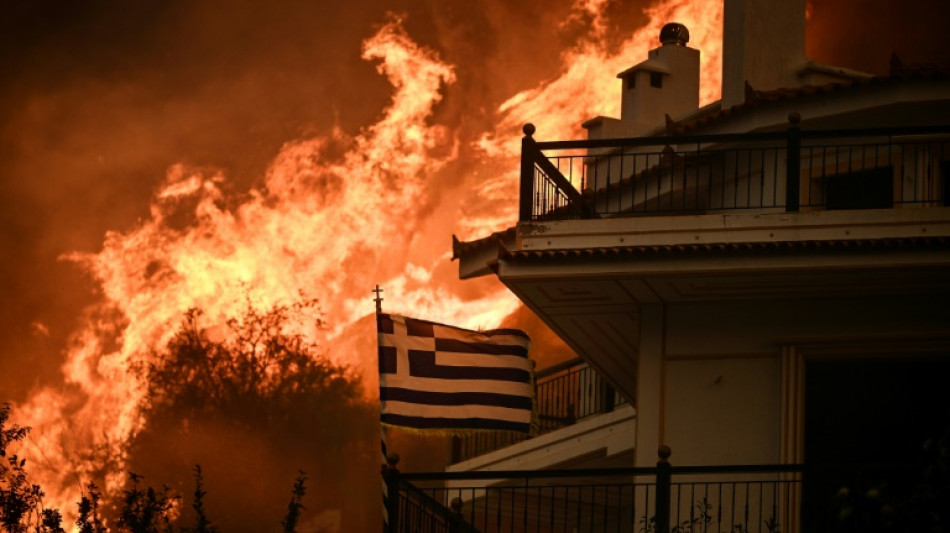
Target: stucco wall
{"type": "Point", "coordinates": [723, 411]}
{"type": "Point", "coordinates": [720, 377]}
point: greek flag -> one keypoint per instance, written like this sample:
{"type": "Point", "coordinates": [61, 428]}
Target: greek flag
{"type": "Point", "coordinates": [438, 377]}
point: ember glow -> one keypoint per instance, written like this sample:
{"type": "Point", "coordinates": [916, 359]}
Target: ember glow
{"type": "Point", "coordinates": [334, 214]}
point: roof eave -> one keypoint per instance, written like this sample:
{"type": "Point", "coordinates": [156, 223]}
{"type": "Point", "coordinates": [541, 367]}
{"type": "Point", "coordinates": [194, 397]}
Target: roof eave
{"type": "Point", "coordinates": [477, 257]}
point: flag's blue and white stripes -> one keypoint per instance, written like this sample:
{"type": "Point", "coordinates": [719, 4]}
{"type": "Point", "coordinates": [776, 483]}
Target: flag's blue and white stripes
{"type": "Point", "coordinates": [433, 376]}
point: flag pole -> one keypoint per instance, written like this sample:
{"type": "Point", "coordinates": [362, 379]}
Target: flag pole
{"type": "Point", "coordinates": [378, 299]}
{"type": "Point", "coordinates": [382, 430]}
{"type": "Point", "coordinates": [387, 470]}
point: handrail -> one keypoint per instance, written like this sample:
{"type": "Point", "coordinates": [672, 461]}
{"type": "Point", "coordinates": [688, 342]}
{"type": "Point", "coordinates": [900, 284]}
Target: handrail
{"type": "Point", "coordinates": [658, 499]}
{"type": "Point", "coordinates": [787, 169]}
{"type": "Point", "coordinates": [672, 140]}
{"type": "Point", "coordinates": [560, 367]}
{"type": "Point", "coordinates": [564, 393]}
{"type": "Point", "coordinates": [625, 471]}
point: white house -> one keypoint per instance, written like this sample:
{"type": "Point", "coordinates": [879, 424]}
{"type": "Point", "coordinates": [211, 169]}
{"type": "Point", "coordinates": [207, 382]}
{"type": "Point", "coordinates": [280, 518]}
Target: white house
{"type": "Point", "coordinates": [764, 280]}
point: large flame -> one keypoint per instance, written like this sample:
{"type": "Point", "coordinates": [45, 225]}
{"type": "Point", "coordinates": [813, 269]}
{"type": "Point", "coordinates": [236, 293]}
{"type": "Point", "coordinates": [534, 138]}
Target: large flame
{"type": "Point", "coordinates": [335, 215]}
{"type": "Point", "coordinates": [587, 87]}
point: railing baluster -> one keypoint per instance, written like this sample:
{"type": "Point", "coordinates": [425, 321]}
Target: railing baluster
{"type": "Point", "coordinates": [663, 477]}
{"type": "Point", "coordinates": [748, 188]}
{"type": "Point", "coordinates": [793, 160]}
{"type": "Point", "coordinates": [613, 185]}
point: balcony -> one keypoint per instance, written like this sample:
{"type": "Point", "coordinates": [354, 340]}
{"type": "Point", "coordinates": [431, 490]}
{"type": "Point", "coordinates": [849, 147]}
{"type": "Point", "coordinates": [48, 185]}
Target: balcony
{"type": "Point", "coordinates": [565, 394]}
{"type": "Point", "coordinates": [780, 171]}
{"type": "Point", "coordinates": [665, 498]}
{"type": "Point", "coordinates": [906, 495]}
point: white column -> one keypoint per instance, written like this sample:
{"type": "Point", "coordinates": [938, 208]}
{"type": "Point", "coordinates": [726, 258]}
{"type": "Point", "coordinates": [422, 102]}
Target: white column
{"type": "Point", "coordinates": [650, 383]}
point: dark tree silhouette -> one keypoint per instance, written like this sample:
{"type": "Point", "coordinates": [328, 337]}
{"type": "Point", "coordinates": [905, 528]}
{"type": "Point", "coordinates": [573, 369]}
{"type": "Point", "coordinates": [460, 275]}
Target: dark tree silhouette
{"type": "Point", "coordinates": [21, 502]}
{"type": "Point", "coordinates": [202, 523]}
{"type": "Point", "coordinates": [51, 522]}
{"type": "Point", "coordinates": [256, 404]}
{"type": "Point", "coordinates": [295, 507]}
{"type": "Point", "coordinates": [250, 401]}
{"type": "Point", "coordinates": [89, 520]}
{"type": "Point", "coordinates": [145, 511]}
{"type": "Point", "coordinates": [258, 373]}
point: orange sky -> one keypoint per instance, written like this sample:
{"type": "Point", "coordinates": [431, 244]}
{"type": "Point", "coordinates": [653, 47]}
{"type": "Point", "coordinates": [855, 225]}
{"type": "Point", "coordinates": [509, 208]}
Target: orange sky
{"type": "Point", "coordinates": [163, 155]}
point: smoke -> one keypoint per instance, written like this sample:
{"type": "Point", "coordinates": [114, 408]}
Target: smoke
{"type": "Point", "coordinates": [259, 152]}
{"type": "Point", "coordinates": [100, 101]}
{"type": "Point", "coordinates": [863, 34]}
{"type": "Point", "coordinates": [186, 154]}
{"type": "Point", "coordinates": [255, 151]}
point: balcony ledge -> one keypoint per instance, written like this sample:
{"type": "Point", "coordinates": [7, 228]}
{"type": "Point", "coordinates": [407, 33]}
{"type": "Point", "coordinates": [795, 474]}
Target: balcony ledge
{"type": "Point", "coordinates": [757, 227]}
{"type": "Point", "coordinates": [614, 432]}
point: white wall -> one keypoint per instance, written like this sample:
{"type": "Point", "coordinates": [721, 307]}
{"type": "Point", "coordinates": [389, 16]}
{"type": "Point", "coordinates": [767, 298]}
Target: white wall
{"type": "Point", "coordinates": [723, 411]}
{"type": "Point", "coordinates": [718, 388]}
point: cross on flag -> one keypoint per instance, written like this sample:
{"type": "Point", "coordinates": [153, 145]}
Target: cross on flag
{"type": "Point", "coordinates": [438, 377]}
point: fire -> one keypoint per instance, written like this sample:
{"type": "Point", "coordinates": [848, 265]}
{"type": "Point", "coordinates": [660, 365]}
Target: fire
{"type": "Point", "coordinates": [587, 86]}
{"type": "Point", "coordinates": [336, 214]}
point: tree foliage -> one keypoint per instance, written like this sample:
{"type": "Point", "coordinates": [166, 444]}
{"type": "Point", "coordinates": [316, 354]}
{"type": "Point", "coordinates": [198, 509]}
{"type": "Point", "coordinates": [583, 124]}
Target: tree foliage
{"type": "Point", "coordinates": [249, 397]}
{"type": "Point", "coordinates": [145, 510]}
{"type": "Point", "coordinates": [21, 502]}
{"type": "Point", "coordinates": [89, 519]}
{"type": "Point", "coordinates": [258, 372]}
{"type": "Point", "coordinates": [202, 523]}
{"type": "Point", "coordinates": [295, 507]}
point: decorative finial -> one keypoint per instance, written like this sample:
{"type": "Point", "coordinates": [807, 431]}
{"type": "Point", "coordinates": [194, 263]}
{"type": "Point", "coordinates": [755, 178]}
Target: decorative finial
{"type": "Point", "coordinates": [528, 129]}
{"type": "Point", "coordinates": [674, 33]}
{"type": "Point", "coordinates": [378, 299]}
{"type": "Point", "coordinates": [664, 452]}
{"type": "Point", "coordinates": [794, 118]}
{"type": "Point", "coordinates": [392, 459]}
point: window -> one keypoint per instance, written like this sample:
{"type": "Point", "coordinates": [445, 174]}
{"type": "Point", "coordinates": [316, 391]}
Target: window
{"type": "Point", "coordinates": [656, 79]}
{"type": "Point", "coordinates": [632, 80]}
{"type": "Point", "coordinates": [863, 189]}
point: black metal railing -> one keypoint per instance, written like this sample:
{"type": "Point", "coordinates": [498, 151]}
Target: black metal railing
{"type": "Point", "coordinates": [782, 171]}
{"type": "Point", "coordinates": [415, 510]}
{"type": "Point", "coordinates": [664, 499]}
{"type": "Point", "coordinates": [564, 394]}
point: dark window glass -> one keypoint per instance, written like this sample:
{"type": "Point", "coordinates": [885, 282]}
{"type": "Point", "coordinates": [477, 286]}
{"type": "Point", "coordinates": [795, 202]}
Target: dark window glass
{"type": "Point", "coordinates": [632, 80]}
{"type": "Point", "coordinates": [656, 79]}
{"type": "Point", "coordinates": [861, 189]}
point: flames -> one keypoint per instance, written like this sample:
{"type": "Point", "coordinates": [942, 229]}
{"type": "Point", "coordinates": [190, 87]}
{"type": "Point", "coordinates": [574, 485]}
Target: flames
{"type": "Point", "coordinates": [587, 86]}
{"type": "Point", "coordinates": [335, 214]}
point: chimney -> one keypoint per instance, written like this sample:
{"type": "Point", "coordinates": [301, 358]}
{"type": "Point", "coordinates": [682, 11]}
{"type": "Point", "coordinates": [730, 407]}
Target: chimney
{"type": "Point", "coordinates": [763, 44]}
{"type": "Point", "coordinates": [667, 83]}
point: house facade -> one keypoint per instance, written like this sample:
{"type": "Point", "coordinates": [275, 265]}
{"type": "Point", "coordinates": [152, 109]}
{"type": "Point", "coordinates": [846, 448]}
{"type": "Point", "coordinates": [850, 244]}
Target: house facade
{"type": "Point", "coordinates": [762, 281]}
